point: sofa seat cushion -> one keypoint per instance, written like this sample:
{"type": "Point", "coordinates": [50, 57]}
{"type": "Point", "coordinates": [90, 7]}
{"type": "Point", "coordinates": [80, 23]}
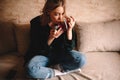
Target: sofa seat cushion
{"type": "Point", "coordinates": [103, 65]}
{"type": "Point", "coordinates": [7, 62]}
{"type": "Point", "coordinates": [102, 36]}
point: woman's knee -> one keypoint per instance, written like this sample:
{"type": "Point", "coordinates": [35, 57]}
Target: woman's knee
{"type": "Point", "coordinates": [36, 67]}
{"type": "Point", "coordinates": [79, 58]}
{"type": "Point", "coordinates": [82, 60]}
{"type": "Point", "coordinates": [37, 61]}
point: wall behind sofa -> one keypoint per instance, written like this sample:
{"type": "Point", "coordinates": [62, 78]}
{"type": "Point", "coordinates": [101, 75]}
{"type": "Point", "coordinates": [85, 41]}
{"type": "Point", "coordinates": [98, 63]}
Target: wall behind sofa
{"type": "Point", "coordinates": [21, 11]}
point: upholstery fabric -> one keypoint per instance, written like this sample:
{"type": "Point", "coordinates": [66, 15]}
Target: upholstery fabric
{"type": "Point", "coordinates": [7, 62]}
{"type": "Point", "coordinates": [103, 65]}
{"type": "Point", "coordinates": [22, 37]}
{"type": "Point", "coordinates": [92, 38]}
{"type": "Point", "coordinates": [102, 36]}
{"type": "Point", "coordinates": [7, 37]}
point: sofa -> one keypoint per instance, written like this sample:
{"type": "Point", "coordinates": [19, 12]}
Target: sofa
{"type": "Point", "coordinates": [100, 42]}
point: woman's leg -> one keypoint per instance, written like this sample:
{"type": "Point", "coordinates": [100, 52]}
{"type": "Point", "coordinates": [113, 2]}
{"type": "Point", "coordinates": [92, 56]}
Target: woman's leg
{"type": "Point", "coordinates": [37, 68]}
{"type": "Point", "coordinates": [73, 60]}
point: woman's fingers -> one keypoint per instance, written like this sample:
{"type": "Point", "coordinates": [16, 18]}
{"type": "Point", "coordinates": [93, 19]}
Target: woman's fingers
{"type": "Point", "coordinates": [59, 32]}
{"type": "Point", "coordinates": [56, 33]}
{"type": "Point", "coordinates": [70, 21]}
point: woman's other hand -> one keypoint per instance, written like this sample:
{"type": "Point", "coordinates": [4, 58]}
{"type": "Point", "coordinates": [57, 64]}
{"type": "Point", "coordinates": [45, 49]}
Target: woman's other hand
{"type": "Point", "coordinates": [70, 22]}
{"type": "Point", "coordinates": [56, 33]}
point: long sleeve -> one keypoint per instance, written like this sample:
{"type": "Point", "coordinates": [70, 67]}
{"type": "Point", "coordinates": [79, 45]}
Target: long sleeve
{"type": "Point", "coordinates": [70, 44]}
{"type": "Point", "coordinates": [38, 39]}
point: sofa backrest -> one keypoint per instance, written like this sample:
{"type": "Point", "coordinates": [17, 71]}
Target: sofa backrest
{"type": "Point", "coordinates": [102, 36]}
{"type": "Point", "coordinates": [22, 37]}
{"type": "Point", "coordinates": [7, 37]}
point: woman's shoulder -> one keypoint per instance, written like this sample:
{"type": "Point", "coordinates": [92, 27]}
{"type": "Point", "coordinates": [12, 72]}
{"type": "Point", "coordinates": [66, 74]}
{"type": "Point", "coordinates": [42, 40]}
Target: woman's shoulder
{"type": "Point", "coordinates": [36, 19]}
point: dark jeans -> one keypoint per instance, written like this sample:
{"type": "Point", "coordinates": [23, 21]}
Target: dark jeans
{"type": "Point", "coordinates": [38, 65]}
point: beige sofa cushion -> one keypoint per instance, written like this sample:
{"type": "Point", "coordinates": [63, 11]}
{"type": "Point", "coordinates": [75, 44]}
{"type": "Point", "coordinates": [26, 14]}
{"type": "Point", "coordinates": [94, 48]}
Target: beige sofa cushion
{"type": "Point", "coordinates": [7, 63]}
{"type": "Point", "coordinates": [7, 37]}
{"type": "Point", "coordinates": [22, 36]}
{"type": "Point", "coordinates": [99, 36]}
{"type": "Point", "coordinates": [102, 65]}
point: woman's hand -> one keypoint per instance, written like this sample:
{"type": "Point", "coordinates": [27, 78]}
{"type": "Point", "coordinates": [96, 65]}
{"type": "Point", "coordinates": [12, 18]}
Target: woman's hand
{"type": "Point", "coordinates": [70, 22]}
{"type": "Point", "coordinates": [54, 34]}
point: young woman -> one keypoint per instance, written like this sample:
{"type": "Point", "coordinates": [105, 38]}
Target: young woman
{"type": "Point", "coordinates": [52, 43]}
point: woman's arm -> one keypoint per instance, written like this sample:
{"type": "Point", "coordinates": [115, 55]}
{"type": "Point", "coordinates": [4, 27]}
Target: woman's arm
{"type": "Point", "coordinates": [54, 34]}
{"type": "Point", "coordinates": [71, 36]}
{"type": "Point", "coordinates": [71, 24]}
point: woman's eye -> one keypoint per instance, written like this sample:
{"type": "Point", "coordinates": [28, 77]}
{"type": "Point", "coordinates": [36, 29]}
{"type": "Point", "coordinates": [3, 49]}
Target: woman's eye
{"type": "Point", "coordinates": [56, 14]}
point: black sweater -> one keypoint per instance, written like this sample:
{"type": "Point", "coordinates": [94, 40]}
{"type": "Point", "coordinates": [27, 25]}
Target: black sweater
{"type": "Point", "coordinates": [39, 37]}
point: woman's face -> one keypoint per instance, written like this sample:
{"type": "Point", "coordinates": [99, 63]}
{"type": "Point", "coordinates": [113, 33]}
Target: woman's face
{"type": "Point", "coordinates": [57, 15]}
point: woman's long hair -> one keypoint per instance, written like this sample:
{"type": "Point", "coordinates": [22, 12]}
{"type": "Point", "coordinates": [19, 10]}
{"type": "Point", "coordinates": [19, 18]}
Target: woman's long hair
{"type": "Point", "coordinates": [48, 7]}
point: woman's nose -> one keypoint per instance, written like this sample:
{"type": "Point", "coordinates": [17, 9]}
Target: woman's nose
{"type": "Point", "coordinates": [61, 18]}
